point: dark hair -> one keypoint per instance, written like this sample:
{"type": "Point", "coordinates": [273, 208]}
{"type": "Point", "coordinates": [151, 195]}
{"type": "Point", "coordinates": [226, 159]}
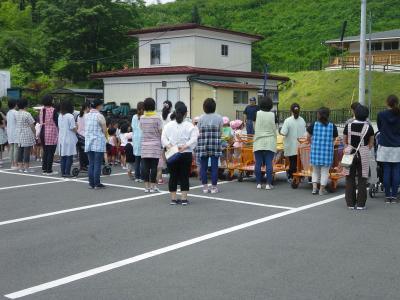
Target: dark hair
{"type": "Point", "coordinates": [173, 116]}
{"type": "Point", "coordinates": [22, 103]}
{"type": "Point", "coordinates": [140, 106]}
{"type": "Point", "coordinates": [112, 131]}
{"type": "Point", "coordinates": [393, 102]}
{"type": "Point", "coordinates": [209, 106]}
{"type": "Point", "coordinates": [124, 128]}
{"type": "Point", "coordinates": [295, 109]}
{"type": "Point", "coordinates": [361, 113]}
{"type": "Point", "coordinates": [323, 115]}
{"type": "Point", "coordinates": [166, 109]}
{"type": "Point", "coordinates": [12, 104]}
{"type": "Point", "coordinates": [266, 103]}
{"type": "Point", "coordinates": [83, 108]}
{"type": "Point", "coordinates": [180, 112]}
{"type": "Point", "coordinates": [66, 107]}
{"type": "Point", "coordinates": [149, 104]}
{"type": "Point", "coordinates": [47, 100]}
{"type": "Point", "coordinates": [97, 102]}
{"type": "Point", "coordinates": [354, 105]}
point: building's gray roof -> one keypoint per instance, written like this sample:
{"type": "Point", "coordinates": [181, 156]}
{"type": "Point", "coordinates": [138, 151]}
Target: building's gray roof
{"type": "Point", "coordinates": [78, 91]}
{"type": "Point", "coordinates": [383, 35]}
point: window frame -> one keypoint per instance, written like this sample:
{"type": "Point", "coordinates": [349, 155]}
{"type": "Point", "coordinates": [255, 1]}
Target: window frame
{"type": "Point", "coordinates": [243, 97]}
{"type": "Point", "coordinates": [224, 50]}
{"type": "Point", "coordinates": [167, 58]}
{"type": "Point", "coordinates": [391, 45]}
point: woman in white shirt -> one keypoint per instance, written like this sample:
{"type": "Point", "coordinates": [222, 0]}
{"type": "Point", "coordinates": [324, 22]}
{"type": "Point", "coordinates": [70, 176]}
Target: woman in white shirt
{"type": "Point", "coordinates": [293, 128]}
{"type": "Point", "coordinates": [183, 135]}
{"type": "Point", "coordinates": [67, 138]}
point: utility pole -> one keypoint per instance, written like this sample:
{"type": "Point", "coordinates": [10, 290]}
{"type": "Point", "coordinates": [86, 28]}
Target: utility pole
{"type": "Point", "coordinates": [370, 63]}
{"type": "Point", "coordinates": [133, 61]}
{"type": "Point", "coordinates": [363, 50]}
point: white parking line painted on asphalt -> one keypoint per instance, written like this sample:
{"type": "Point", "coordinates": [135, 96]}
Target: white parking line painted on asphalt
{"type": "Point", "coordinates": [65, 211]}
{"type": "Point", "coordinates": [219, 183]}
{"type": "Point", "coordinates": [157, 252]}
{"type": "Point", "coordinates": [113, 185]}
{"type": "Point", "coordinates": [31, 175]}
{"type": "Point", "coordinates": [30, 184]}
{"type": "Point", "coordinates": [240, 202]}
{"type": "Point", "coordinates": [32, 167]}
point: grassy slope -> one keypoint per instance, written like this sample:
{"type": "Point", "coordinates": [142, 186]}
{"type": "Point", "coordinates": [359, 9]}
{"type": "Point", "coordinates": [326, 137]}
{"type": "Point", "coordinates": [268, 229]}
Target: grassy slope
{"type": "Point", "coordinates": [334, 88]}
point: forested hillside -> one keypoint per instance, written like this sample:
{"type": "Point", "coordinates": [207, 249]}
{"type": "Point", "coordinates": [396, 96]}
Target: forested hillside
{"type": "Point", "coordinates": [49, 43]}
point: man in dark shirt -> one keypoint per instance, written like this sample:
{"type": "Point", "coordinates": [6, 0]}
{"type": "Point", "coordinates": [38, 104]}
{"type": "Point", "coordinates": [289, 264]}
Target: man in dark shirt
{"type": "Point", "coordinates": [250, 114]}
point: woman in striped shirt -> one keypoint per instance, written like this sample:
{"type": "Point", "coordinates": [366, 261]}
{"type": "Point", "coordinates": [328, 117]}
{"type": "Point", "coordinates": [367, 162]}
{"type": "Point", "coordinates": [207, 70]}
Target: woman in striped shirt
{"type": "Point", "coordinates": [151, 126]}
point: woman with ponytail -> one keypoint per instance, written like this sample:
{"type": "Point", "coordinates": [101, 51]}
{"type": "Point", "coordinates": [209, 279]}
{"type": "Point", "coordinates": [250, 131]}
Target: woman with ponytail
{"type": "Point", "coordinates": [166, 112]}
{"type": "Point", "coordinates": [183, 135]}
{"type": "Point", "coordinates": [293, 128]}
{"type": "Point", "coordinates": [389, 147]}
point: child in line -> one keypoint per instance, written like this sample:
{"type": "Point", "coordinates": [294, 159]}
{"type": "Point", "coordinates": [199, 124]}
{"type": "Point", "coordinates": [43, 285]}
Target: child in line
{"type": "Point", "coordinates": [237, 127]}
{"type": "Point", "coordinates": [37, 148]}
{"type": "Point", "coordinates": [130, 157]}
{"type": "Point", "coordinates": [123, 142]}
{"type": "Point", "coordinates": [226, 140]}
{"type": "Point", "coordinates": [112, 144]}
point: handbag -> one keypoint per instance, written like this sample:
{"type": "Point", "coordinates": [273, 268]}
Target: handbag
{"type": "Point", "coordinates": [347, 159]}
{"type": "Point", "coordinates": [172, 154]}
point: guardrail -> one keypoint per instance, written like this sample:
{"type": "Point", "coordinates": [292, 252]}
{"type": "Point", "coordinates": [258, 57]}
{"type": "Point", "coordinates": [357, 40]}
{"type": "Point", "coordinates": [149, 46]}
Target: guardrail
{"type": "Point", "coordinates": [338, 116]}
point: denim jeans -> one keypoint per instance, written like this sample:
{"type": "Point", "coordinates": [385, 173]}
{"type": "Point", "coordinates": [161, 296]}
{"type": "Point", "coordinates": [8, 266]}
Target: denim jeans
{"type": "Point", "coordinates": [138, 167]}
{"type": "Point", "coordinates": [204, 169]}
{"type": "Point", "coordinates": [391, 178]}
{"type": "Point", "coordinates": [94, 171]}
{"type": "Point", "coordinates": [250, 127]}
{"type": "Point", "coordinates": [66, 164]}
{"type": "Point", "coordinates": [263, 157]}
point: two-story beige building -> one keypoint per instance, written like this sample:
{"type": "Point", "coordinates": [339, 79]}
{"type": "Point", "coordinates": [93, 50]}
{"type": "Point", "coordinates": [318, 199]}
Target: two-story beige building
{"type": "Point", "coordinates": [191, 62]}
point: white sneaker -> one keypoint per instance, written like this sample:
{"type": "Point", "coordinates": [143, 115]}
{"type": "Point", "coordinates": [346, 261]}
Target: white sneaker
{"type": "Point", "coordinates": [259, 186]}
{"type": "Point", "coordinates": [214, 190]}
{"type": "Point", "coordinates": [155, 190]}
{"type": "Point", "coordinates": [147, 190]}
{"type": "Point", "coordinates": [205, 189]}
{"type": "Point", "coordinates": [269, 187]}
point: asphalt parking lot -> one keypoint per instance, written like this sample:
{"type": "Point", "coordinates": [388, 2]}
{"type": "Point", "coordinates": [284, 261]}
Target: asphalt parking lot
{"type": "Point", "coordinates": [60, 240]}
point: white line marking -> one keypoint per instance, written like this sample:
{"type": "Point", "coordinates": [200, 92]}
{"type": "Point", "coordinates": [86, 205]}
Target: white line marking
{"type": "Point", "coordinates": [32, 167]}
{"type": "Point", "coordinates": [219, 183]}
{"type": "Point", "coordinates": [240, 202]}
{"type": "Point", "coordinates": [59, 212]}
{"type": "Point", "coordinates": [134, 259]}
{"type": "Point", "coordinates": [30, 175]}
{"type": "Point", "coordinates": [31, 184]}
{"type": "Point", "coordinates": [114, 185]}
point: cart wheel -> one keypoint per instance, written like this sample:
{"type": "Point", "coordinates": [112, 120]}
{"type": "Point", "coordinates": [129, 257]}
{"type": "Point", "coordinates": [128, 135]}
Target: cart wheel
{"type": "Point", "coordinates": [240, 177]}
{"type": "Point", "coordinates": [372, 192]}
{"type": "Point", "coordinates": [75, 172]}
{"type": "Point", "coordinates": [295, 183]}
{"type": "Point", "coordinates": [106, 170]}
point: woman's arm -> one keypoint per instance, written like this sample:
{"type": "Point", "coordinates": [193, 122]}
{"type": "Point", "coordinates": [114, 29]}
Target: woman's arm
{"type": "Point", "coordinates": [371, 142]}
{"type": "Point", "coordinates": [165, 140]}
{"type": "Point", "coordinates": [191, 143]}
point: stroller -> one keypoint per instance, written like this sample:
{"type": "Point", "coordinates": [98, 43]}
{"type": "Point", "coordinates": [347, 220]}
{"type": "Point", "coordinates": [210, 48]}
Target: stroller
{"type": "Point", "coordinates": [106, 170]}
{"type": "Point", "coordinates": [378, 186]}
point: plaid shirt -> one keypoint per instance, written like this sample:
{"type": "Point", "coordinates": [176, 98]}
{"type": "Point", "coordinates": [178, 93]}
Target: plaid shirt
{"type": "Point", "coordinates": [322, 145]}
{"type": "Point", "coordinates": [23, 130]}
{"type": "Point", "coordinates": [95, 139]}
{"type": "Point", "coordinates": [49, 126]}
{"type": "Point", "coordinates": [209, 142]}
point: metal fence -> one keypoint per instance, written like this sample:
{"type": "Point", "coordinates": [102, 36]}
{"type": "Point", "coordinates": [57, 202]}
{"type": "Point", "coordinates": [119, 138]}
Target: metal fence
{"type": "Point", "coordinates": [337, 116]}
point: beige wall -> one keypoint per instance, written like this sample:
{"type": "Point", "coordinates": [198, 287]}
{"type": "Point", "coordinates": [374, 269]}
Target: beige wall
{"type": "Point", "coordinates": [223, 97]}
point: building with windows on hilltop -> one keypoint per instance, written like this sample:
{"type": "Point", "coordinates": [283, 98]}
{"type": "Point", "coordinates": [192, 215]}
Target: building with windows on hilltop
{"type": "Point", "coordinates": [385, 51]}
{"type": "Point", "coordinates": [189, 63]}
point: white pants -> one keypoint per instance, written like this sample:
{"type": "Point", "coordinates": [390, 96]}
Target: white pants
{"type": "Point", "coordinates": [320, 175]}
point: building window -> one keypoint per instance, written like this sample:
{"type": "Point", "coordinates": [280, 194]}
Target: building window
{"type": "Point", "coordinates": [240, 97]}
{"type": "Point", "coordinates": [160, 54]}
{"type": "Point", "coordinates": [376, 46]}
{"type": "Point", "coordinates": [224, 50]}
{"type": "Point", "coordinates": [387, 46]}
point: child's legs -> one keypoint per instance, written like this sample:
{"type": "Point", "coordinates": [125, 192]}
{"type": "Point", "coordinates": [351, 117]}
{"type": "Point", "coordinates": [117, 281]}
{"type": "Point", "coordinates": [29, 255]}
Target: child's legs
{"type": "Point", "coordinates": [269, 156]}
{"type": "Point", "coordinates": [214, 170]}
{"type": "Point", "coordinates": [260, 160]}
{"type": "Point", "coordinates": [203, 169]}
